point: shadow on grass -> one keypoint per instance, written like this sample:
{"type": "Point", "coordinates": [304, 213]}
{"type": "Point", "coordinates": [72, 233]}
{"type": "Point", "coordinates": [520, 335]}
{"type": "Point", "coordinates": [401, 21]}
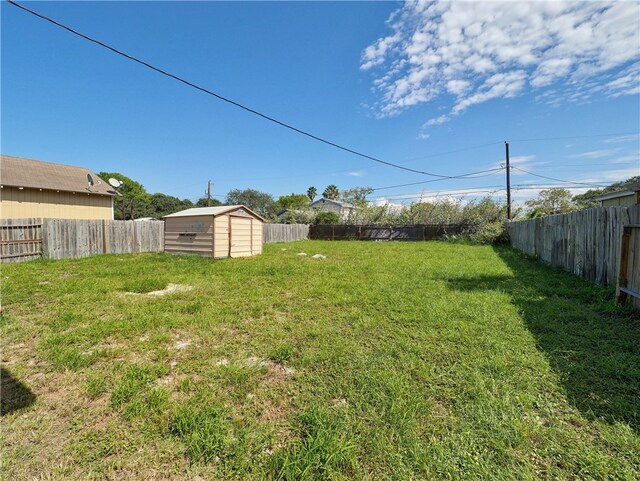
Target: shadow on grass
{"type": "Point", "coordinates": [591, 342]}
{"type": "Point", "coordinates": [13, 394]}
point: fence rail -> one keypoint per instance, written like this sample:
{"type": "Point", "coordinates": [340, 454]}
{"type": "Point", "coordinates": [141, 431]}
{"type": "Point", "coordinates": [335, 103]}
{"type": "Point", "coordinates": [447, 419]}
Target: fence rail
{"type": "Point", "coordinates": [419, 232]}
{"type": "Point", "coordinates": [285, 232]}
{"type": "Point", "coordinates": [26, 239]}
{"type": "Point", "coordinates": [586, 243]}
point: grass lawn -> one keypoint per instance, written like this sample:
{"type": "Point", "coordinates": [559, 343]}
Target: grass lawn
{"type": "Point", "coordinates": [383, 361]}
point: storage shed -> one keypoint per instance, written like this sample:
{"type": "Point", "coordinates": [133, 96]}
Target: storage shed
{"type": "Point", "coordinates": [224, 231]}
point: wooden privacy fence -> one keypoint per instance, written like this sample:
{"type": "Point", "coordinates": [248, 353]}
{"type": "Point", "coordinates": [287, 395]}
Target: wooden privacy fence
{"type": "Point", "coordinates": [25, 239]}
{"type": "Point", "coordinates": [285, 232]}
{"type": "Point", "coordinates": [586, 243]}
{"type": "Point", "coordinates": [418, 232]}
{"type": "Point", "coordinates": [20, 239]}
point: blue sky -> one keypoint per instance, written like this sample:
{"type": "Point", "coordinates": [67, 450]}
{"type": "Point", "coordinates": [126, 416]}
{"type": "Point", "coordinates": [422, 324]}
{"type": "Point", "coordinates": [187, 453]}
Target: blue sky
{"type": "Point", "coordinates": [401, 82]}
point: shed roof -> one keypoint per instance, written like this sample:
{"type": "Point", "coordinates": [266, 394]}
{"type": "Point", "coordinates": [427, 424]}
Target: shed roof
{"type": "Point", "coordinates": [36, 174]}
{"type": "Point", "coordinates": [630, 190]}
{"type": "Point", "coordinates": [214, 211]}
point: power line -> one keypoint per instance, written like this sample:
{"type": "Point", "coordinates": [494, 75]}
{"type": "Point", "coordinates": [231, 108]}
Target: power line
{"type": "Point", "coordinates": [574, 137]}
{"type": "Point", "coordinates": [471, 175]}
{"type": "Point", "coordinates": [600, 164]}
{"type": "Point", "coordinates": [497, 188]}
{"type": "Point", "coordinates": [553, 178]}
{"type": "Point", "coordinates": [221, 97]}
{"type": "Point", "coordinates": [535, 186]}
{"type": "Point", "coordinates": [487, 193]}
{"type": "Point", "coordinates": [444, 192]}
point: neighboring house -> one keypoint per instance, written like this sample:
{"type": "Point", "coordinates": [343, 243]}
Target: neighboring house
{"type": "Point", "coordinates": [32, 188]}
{"type": "Point", "coordinates": [343, 209]}
{"type": "Point", "coordinates": [626, 197]}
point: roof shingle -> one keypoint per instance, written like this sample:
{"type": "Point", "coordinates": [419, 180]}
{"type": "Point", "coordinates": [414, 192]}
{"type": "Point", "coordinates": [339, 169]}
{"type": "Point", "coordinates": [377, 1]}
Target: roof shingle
{"type": "Point", "coordinates": [36, 174]}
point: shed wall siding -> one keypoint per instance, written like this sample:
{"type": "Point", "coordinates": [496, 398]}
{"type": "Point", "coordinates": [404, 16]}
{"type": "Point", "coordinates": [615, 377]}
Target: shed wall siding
{"type": "Point", "coordinates": [240, 236]}
{"type": "Point", "coordinates": [19, 204]}
{"type": "Point", "coordinates": [257, 232]}
{"type": "Point", "coordinates": [196, 238]}
{"type": "Point", "coordinates": [626, 201]}
{"type": "Point", "coordinates": [221, 236]}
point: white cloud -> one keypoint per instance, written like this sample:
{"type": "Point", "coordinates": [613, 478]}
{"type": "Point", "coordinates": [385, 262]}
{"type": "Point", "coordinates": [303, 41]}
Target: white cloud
{"type": "Point", "coordinates": [594, 154]}
{"type": "Point", "coordinates": [478, 51]}
{"type": "Point", "coordinates": [627, 159]}
{"type": "Point", "coordinates": [611, 175]}
{"type": "Point", "coordinates": [519, 195]}
{"type": "Point", "coordinates": [355, 173]}
{"type": "Point", "coordinates": [458, 87]}
{"type": "Point", "coordinates": [623, 139]}
{"type": "Point", "coordinates": [518, 161]}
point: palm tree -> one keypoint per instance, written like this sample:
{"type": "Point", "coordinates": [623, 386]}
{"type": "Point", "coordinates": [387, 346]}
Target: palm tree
{"type": "Point", "coordinates": [311, 193]}
{"type": "Point", "coordinates": [331, 192]}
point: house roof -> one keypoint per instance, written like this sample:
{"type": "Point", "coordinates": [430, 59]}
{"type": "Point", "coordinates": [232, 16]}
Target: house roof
{"type": "Point", "coordinates": [214, 211]}
{"type": "Point", "coordinates": [337, 202]}
{"type": "Point", "coordinates": [630, 190]}
{"type": "Point", "coordinates": [36, 174]}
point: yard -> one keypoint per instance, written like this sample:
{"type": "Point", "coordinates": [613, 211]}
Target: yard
{"type": "Point", "coordinates": [422, 360]}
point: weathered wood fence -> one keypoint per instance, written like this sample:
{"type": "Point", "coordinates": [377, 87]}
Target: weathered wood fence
{"type": "Point", "coordinates": [25, 239]}
{"type": "Point", "coordinates": [285, 232]}
{"type": "Point", "coordinates": [20, 239]}
{"type": "Point", "coordinates": [418, 232]}
{"type": "Point", "coordinates": [629, 276]}
{"type": "Point", "coordinates": [586, 243]}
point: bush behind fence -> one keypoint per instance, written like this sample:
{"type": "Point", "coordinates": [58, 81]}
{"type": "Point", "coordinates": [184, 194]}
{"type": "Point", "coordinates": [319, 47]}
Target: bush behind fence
{"type": "Point", "coordinates": [418, 232]}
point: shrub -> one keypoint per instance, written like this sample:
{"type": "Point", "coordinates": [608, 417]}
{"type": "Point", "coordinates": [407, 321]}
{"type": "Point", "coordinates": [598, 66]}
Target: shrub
{"type": "Point", "coordinates": [327, 218]}
{"type": "Point", "coordinates": [488, 233]}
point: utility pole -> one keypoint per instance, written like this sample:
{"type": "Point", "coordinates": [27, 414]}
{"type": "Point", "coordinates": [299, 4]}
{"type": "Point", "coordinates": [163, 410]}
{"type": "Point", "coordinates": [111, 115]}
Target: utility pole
{"type": "Point", "coordinates": [506, 145]}
{"type": "Point", "coordinates": [209, 194]}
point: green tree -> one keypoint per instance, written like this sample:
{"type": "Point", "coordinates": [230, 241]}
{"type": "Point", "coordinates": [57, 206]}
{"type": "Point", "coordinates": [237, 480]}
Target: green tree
{"type": "Point", "coordinates": [203, 202]}
{"type": "Point", "coordinates": [552, 201]}
{"type": "Point", "coordinates": [311, 193]}
{"type": "Point", "coordinates": [260, 202]}
{"type": "Point", "coordinates": [331, 192]}
{"type": "Point", "coordinates": [162, 204]}
{"type": "Point", "coordinates": [132, 201]}
{"type": "Point", "coordinates": [293, 201]}
{"type": "Point", "coordinates": [357, 196]}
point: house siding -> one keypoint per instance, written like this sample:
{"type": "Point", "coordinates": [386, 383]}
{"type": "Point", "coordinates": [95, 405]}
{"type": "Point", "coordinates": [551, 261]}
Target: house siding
{"type": "Point", "coordinates": [19, 204]}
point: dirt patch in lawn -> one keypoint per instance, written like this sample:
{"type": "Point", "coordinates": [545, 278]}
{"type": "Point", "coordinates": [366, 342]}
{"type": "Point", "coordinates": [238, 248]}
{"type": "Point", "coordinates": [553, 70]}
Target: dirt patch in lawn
{"type": "Point", "coordinates": [171, 288]}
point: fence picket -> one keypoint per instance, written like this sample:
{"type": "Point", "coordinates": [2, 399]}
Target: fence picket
{"type": "Point", "coordinates": [586, 243]}
{"type": "Point", "coordinates": [285, 232]}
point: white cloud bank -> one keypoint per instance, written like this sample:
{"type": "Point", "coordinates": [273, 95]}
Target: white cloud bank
{"type": "Point", "coordinates": [483, 50]}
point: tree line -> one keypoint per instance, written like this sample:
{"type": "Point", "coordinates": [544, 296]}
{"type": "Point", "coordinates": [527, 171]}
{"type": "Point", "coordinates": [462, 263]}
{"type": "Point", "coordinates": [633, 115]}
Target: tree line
{"type": "Point", "coordinates": [135, 202]}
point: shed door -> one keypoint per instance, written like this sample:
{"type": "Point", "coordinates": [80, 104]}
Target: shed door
{"type": "Point", "coordinates": [240, 236]}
